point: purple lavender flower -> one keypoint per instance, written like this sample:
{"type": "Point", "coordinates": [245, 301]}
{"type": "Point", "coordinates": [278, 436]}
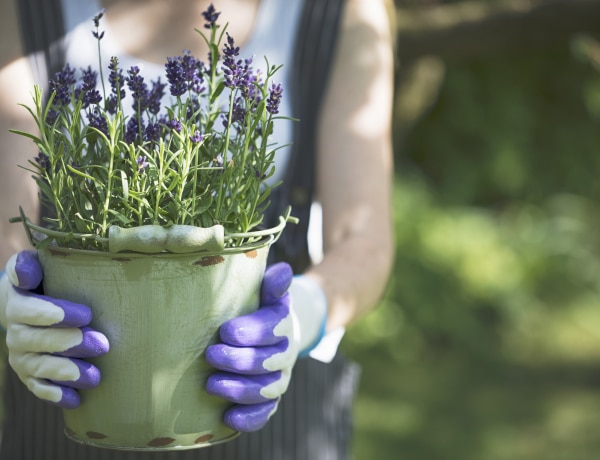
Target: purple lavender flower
{"type": "Point", "coordinates": [138, 88]}
{"type": "Point", "coordinates": [239, 73]}
{"type": "Point", "coordinates": [184, 73]}
{"type": "Point", "coordinates": [43, 161]}
{"type": "Point", "coordinates": [152, 132]}
{"type": "Point", "coordinates": [232, 68]}
{"type": "Point", "coordinates": [175, 125]}
{"type": "Point", "coordinates": [211, 16]}
{"type": "Point", "coordinates": [52, 117]}
{"type": "Point", "coordinates": [116, 78]}
{"type": "Point", "coordinates": [192, 70]}
{"type": "Point", "coordinates": [196, 138]}
{"type": "Point", "coordinates": [111, 104]}
{"type": "Point", "coordinates": [175, 76]}
{"type": "Point", "coordinates": [97, 120]}
{"type": "Point", "coordinates": [96, 33]}
{"type": "Point", "coordinates": [132, 131]}
{"type": "Point", "coordinates": [141, 162]}
{"type": "Point", "coordinates": [155, 96]}
{"type": "Point", "coordinates": [274, 99]}
{"type": "Point", "coordinates": [117, 86]}
{"type": "Point", "coordinates": [89, 94]}
{"type": "Point", "coordinates": [250, 83]}
{"type": "Point", "coordinates": [62, 85]}
{"type": "Point", "coordinates": [98, 17]}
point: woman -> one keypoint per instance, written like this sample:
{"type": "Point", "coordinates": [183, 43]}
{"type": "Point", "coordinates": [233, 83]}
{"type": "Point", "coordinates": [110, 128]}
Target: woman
{"type": "Point", "coordinates": [350, 105]}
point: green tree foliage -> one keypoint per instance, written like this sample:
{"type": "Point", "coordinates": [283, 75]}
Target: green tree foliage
{"type": "Point", "coordinates": [486, 344]}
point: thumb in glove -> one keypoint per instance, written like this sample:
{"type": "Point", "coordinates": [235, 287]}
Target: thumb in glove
{"type": "Point", "coordinates": [258, 351]}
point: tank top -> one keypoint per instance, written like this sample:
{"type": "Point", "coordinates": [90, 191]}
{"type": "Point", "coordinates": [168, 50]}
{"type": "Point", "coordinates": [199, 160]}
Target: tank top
{"type": "Point", "coordinates": [314, 418]}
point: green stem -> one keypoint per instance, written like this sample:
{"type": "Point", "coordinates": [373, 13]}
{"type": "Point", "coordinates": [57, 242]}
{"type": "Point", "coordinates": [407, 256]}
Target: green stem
{"type": "Point", "coordinates": [111, 150]}
{"type": "Point", "coordinates": [225, 153]}
{"type": "Point", "coordinates": [159, 187]}
{"type": "Point", "coordinates": [100, 66]}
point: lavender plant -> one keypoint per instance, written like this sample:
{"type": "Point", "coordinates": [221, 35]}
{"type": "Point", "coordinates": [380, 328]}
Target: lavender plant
{"type": "Point", "coordinates": [190, 161]}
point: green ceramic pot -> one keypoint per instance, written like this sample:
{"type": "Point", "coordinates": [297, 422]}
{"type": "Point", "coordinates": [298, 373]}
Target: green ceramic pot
{"type": "Point", "coordinates": [159, 312]}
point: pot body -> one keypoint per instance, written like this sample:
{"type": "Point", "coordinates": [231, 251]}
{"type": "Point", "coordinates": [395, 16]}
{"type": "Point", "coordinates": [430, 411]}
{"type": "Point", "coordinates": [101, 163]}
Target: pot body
{"type": "Point", "coordinates": [159, 312]}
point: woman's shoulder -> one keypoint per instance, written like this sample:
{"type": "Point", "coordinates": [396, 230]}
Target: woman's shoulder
{"type": "Point", "coordinates": [365, 30]}
{"type": "Point", "coordinates": [369, 14]}
{"type": "Point", "coordinates": [11, 47]}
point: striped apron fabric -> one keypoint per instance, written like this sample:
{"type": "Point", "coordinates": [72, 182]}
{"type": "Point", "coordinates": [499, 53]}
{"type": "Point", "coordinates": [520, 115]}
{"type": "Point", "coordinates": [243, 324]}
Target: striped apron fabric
{"type": "Point", "coordinates": [314, 418]}
{"type": "Point", "coordinates": [313, 422]}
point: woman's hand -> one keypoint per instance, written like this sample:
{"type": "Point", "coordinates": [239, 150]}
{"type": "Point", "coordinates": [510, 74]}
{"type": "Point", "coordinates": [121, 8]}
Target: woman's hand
{"type": "Point", "coordinates": [47, 338]}
{"type": "Point", "coordinates": [258, 351]}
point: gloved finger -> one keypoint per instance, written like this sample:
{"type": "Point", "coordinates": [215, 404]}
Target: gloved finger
{"type": "Point", "coordinates": [24, 270]}
{"type": "Point", "coordinates": [263, 327]}
{"type": "Point", "coordinates": [65, 397]}
{"type": "Point", "coordinates": [74, 373]}
{"type": "Point", "coordinates": [74, 342]}
{"type": "Point", "coordinates": [40, 310]}
{"type": "Point", "coordinates": [276, 281]}
{"type": "Point", "coordinates": [245, 389]}
{"type": "Point", "coordinates": [251, 360]}
{"type": "Point", "coordinates": [251, 417]}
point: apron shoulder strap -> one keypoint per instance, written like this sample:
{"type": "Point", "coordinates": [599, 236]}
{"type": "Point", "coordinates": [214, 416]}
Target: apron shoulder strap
{"type": "Point", "coordinates": [314, 53]}
{"type": "Point", "coordinates": [42, 34]}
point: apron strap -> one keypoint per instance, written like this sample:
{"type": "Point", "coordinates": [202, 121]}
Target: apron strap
{"type": "Point", "coordinates": [42, 34]}
{"type": "Point", "coordinates": [314, 55]}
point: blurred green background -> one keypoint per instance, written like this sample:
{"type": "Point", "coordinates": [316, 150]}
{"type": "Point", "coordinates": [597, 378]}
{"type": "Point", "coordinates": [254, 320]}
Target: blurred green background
{"type": "Point", "coordinates": [487, 344]}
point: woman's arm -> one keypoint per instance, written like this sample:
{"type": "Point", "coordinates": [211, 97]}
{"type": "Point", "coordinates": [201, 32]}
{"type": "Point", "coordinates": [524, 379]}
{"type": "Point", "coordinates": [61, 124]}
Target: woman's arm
{"type": "Point", "coordinates": [17, 188]}
{"type": "Point", "coordinates": [354, 163]}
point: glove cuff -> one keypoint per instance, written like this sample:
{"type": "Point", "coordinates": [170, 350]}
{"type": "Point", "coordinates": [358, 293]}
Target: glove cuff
{"type": "Point", "coordinates": [310, 309]}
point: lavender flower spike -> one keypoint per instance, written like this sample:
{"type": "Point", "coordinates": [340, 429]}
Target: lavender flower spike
{"type": "Point", "coordinates": [232, 69]}
{"type": "Point", "coordinates": [116, 78]}
{"type": "Point", "coordinates": [98, 17]}
{"type": "Point", "coordinates": [138, 88]}
{"type": "Point", "coordinates": [175, 76]}
{"type": "Point", "coordinates": [210, 15]}
{"type": "Point", "coordinates": [90, 95]}
{"type": "Point", "coordinates": [62, 84]}
{"type": "Point", "coordinates": [275, 93]}
{"type": "Point", "coordinates": [96, 33]}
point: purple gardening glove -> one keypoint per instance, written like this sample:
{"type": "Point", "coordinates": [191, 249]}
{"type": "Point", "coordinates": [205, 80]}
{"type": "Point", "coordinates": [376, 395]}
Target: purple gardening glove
{"type": "Point", "coordinates": [47, 338]}
{"type": "Point", "coordinates": [259, 350]}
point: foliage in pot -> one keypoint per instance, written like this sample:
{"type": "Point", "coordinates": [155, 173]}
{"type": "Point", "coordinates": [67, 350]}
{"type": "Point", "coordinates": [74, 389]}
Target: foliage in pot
{"type": "Point", "coordinates": [202, 159]}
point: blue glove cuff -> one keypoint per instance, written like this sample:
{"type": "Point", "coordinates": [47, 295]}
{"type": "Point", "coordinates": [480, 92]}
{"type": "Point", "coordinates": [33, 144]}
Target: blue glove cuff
{"type": "Point", "coordinates": [305, 352]}
{"type": "Point", "coordinates": [310, 305]}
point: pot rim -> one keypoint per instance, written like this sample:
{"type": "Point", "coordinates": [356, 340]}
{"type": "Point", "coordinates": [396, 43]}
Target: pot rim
{"type": "Point", "coordinates": [44, 238]}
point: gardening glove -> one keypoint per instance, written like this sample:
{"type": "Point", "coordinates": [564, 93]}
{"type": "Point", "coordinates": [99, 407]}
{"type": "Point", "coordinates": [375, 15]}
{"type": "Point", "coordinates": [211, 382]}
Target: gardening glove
{"type": "Point", "coordinates": [258, 350]}
{"type": "Point", "coordinates": [47, 338]}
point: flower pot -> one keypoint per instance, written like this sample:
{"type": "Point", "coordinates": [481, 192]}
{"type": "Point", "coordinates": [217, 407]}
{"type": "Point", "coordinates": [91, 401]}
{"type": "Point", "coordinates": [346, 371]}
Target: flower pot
{"type": "Point", "coordinates": [159, 312]}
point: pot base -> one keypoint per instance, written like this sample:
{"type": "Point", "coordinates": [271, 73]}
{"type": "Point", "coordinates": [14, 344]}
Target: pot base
{"type": "Point", "coordinates": [155, 445]}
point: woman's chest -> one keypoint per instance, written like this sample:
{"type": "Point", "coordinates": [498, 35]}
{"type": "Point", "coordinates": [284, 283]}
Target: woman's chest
{"type": "Point", "coordinates": [152, 29]}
